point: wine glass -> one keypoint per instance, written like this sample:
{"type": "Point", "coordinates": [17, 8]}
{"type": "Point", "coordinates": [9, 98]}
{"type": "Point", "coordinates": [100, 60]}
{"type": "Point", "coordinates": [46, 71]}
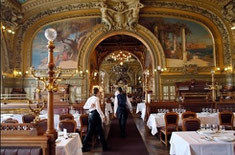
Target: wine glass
{"type": "Point", "coordinates": [203, 110]}
{"type": "Point", "coordinates": [222, 128]}
{"type": "Point", "coordinates": [202, 126]}
{"type": "Point", "coordinates": [214, 127]}
{"type": "Point", "coordinates": [208, 127]}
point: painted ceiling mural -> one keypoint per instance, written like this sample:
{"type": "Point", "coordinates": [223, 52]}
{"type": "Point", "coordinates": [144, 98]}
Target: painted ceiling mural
{"type": "Point", "coordinates": [70, 35]}
{"type": "Point", "coordinates": [184, 42]}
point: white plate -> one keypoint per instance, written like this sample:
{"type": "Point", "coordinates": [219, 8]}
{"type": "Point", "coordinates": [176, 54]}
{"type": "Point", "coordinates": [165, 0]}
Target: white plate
{"type": "Point", "coordinates": [224, 139]}
{"type": "Point", "coordinates": [206, 132]}
{"type": "Point", "coordinates": [205, 113]}
{"type": "Point", "coordinates": [58, 140]}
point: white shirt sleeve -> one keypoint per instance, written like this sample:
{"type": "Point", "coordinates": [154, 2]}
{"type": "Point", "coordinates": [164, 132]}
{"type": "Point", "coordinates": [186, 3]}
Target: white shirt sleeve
{"type": "Point", "coordinates": [115, 105]}
{"type": "Point", "coordinates": [86, 105]}
{"type": "Point", "coordinates": [129, 104]}
{"type": "Point", "coordinates": [97, 103]}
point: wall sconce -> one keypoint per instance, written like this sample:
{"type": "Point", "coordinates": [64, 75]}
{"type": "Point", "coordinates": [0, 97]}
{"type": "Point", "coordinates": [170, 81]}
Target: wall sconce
{"type": "Point", "coordinates": [7, 30]}
{"type": "Point", "coordinates": [16, 73]}
{"type": "Point", "coordinates": [228, 69]}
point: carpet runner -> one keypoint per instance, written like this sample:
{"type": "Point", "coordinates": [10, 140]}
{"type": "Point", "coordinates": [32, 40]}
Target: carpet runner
{"type": "Point", "coordinates": [131, 144]}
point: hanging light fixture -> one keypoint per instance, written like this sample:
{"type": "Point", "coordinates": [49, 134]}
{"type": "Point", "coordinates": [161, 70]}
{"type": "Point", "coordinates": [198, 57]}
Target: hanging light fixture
{"type": "Point", "coordinates": [121, 56]}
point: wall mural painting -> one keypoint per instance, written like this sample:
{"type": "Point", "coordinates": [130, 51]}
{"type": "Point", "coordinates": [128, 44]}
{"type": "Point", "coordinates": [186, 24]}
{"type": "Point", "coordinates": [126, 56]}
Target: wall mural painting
{"type": "Point", "coordinates": [70, 35]}
{"type": "Point", "coordinates": [184, 42]}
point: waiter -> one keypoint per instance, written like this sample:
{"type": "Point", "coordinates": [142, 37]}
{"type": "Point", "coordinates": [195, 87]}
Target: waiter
{"type": "Point", "coordinates": [121, 104]}
{"type": "Point", "coordinates": [95, 119]}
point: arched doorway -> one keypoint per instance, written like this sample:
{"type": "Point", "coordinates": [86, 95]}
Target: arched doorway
{"type": "Point", "coordinates": [153, 47]}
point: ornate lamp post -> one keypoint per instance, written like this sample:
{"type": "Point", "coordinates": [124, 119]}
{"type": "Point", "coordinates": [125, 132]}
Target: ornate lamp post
{"type": "Point", "coordinates": [51, 86]}
{"type": "Point", "coordinates": [146, 75]}
{"type": "Point", "coordinates": [213, 87]}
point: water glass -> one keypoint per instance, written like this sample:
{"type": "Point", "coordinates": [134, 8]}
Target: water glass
{"type": "Point", "coordinates": [208, 127]}
{"type": "Point", "coordinates": [214, 127]}
{"type": "Point", "coordinates": [214, 110]}
{"type": "Point", "coordinates": [207, 110]}
{"type": "Point", "coordinates": [202, 127]}
{"type": "Point", "coordinates": [203, 110]}
{"type": "Point", "coordinates": [222, 128]}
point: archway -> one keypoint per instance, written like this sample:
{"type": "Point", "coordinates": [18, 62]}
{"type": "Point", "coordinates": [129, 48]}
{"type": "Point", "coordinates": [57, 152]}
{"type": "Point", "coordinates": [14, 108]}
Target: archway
{"type": "Point", "coordinates": [141, 33]}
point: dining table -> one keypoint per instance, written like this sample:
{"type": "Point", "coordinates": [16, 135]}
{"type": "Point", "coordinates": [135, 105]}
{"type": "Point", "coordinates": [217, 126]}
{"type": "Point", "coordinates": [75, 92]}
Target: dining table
{"type": "Point", "coordinates": [156, 120]}
{"type": "Point", "coordinates": [18, 117]}
{"type": "Point", "coordinates": [69, 144]}
{"type": "Point", "coordinates": [202, 143]}
{"type": "Point", "coordinates": [141, 107]}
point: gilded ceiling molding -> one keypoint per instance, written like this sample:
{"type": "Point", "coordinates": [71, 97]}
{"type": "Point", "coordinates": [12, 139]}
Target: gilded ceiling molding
{"type": "Point", "coordinates": [121, 16]}
{"type": "Point", "coordinates": [210, 15]}
{"type": "Point", "coordinates": [229, 12]}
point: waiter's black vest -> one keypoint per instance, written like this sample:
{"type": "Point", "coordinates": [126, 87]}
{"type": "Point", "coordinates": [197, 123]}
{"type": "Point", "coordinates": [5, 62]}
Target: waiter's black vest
{"type": "Point", "coordinates": [122, 100]}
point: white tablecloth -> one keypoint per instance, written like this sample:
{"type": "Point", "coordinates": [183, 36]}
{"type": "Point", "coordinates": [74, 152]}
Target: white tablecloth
{"type": "Point", "coordinates": [141, 107]}
{"type": "Point", "coordinates": [190, 143]}
{"type": "Point", "coordinates": [18, 117]}
{"type": "Point", "coordinates": [108, 107]}
{"type": "Point", "coordinates": [70, 146]}
{"type": "Point", "coordinates": [156, 120]}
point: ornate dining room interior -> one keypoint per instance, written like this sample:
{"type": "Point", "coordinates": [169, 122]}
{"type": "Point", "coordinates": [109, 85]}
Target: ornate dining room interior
{"type": "Point", "coordinates": [174, 59]}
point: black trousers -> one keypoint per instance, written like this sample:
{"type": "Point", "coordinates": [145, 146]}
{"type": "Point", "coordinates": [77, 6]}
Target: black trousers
{"type": "Point", "coordinates": [122, 117]}
{"type": "Point", "coordinates": [94, 125]}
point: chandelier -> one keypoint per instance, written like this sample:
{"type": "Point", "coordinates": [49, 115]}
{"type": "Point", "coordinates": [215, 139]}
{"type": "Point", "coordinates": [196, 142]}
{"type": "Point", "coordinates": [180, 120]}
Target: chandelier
{"type": "Point", "coordinates": [121, 56]}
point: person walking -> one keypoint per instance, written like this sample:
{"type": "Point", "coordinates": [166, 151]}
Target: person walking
{"type": "Point", "coordinates": [121, 104]}
{"type": "Point", "coordinates": [95, 119]}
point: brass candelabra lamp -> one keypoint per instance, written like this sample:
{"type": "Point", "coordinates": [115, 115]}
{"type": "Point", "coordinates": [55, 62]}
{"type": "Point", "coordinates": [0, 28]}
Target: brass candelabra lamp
{"type": "Point", "coordinates": [36, 110]}
{"type": "Point", "coordinates": [214, 86]}
{"type": "Point", "coordinates": [50, 84]}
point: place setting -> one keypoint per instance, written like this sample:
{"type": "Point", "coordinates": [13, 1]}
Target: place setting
{"type": "Point", "coordinates": [216, 133]}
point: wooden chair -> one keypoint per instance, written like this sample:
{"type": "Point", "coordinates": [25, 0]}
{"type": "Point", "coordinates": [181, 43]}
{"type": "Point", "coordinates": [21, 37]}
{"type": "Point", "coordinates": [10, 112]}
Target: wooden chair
{"type": "Point", "coordinates": [171, 125]}
{"type": "Point", "coordinates": [70, 125]}
{"type": "Point", "coordinates": [66, 117]}
{"type": "Point", "coordinates": [191, 124]}
{"type": "Point", "coordinates": [226, 118]}
{"type": "Point", "coordinates": [84, 128]}
{"type": "Point", "coordinates": [41, 126]}
{"type": "Point", "coordinates": [188, 114]}
{"type": "Point", "coordinates": [28, 118]}
{"type": "Point", "coordinates": [10, 120]}
{"type": "Point", "coordinates": [84, 124]}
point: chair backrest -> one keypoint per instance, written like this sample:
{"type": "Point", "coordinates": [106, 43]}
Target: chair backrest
{"type": "Point", "coordinates": [188, 114]}
{"type": "Point", "coordinates": [70, 125]}
{"type": "Point", "coordinates": [28, 118]}
{"type": "Point", "coordinates": [10, 120]}
{"type": "Point", "coordinates": [84, 120]}
{"type": "Point", "coordinates": [41, 126]}
{"type": "Point", "coordinates": [66, 117]}
{"type": "Point", "coordinates": [171, 119]}
{"type": "Point", "coordinates": [226, 118]}
{"type": "Point", "coordinates": [191, 124]}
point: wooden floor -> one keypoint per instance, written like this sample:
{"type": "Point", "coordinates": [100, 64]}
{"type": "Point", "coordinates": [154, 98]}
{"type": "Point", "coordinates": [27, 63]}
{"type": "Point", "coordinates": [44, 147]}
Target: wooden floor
{"type": "Point", "coordinates": [152, 143]}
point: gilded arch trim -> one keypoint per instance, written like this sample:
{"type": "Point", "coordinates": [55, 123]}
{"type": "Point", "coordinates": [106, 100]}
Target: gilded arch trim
{"type": "Point", "coordinates": [141, 33]}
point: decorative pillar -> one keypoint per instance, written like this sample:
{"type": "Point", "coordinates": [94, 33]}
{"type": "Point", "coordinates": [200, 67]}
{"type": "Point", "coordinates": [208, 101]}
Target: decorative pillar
{"type": "Point", "coordinates": [174, 42]}
{"type": "Point", "coordinates": [183, 40]}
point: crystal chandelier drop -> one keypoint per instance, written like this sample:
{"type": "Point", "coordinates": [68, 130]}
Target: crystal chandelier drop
{"type": "Point", "coordinates": [121, 56]}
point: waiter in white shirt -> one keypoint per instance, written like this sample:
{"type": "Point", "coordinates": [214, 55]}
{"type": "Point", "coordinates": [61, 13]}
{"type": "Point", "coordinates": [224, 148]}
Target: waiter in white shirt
{"type": "Point", "coordinates": [95, 119]}
{"type": "Point", "coordinates": [121, 104]}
